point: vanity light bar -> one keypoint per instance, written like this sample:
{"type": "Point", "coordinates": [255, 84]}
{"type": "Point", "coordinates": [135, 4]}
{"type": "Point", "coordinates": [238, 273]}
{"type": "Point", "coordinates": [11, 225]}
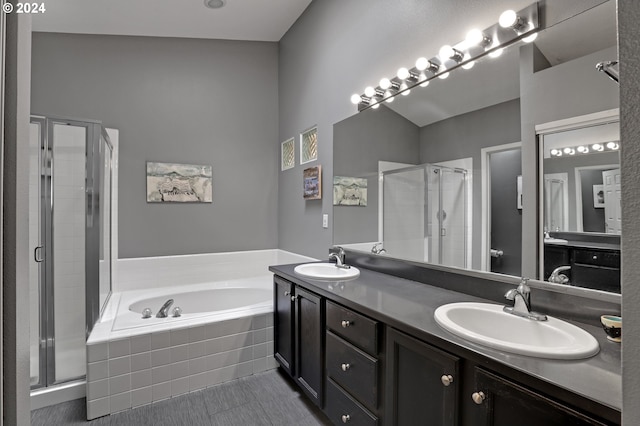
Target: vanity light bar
{"type": "Point", "coordinates": [513, 27]}
{"type": "Point", "coordinates": [585, 149]}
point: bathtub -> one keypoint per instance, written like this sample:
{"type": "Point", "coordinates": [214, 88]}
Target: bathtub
{"type": "Point", "coordinates": [225, 332]}
{"type": "Point", "coordinates": [206, 302]}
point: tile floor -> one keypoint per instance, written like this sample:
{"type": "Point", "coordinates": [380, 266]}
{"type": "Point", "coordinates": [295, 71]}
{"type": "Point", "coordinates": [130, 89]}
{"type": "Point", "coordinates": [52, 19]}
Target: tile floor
{"type": "Point", "coordinates": [269, 398]}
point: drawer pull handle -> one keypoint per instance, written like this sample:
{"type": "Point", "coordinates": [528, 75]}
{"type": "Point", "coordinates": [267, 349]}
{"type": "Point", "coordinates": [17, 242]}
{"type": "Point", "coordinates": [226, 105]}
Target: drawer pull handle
{"type": "Point", "coordinates": [446, 379]}
{"type": "Point", "coordinates": [293, 298]}
{"type": "Point", "coordinates": [346, 323]}
{"type": "Point", "coordinates": [345, 367]}
{"type": "Point", "coordinates": [478, 397]}
{"type": "Point", "coordinates": [595, 257]}
{"type": "Point", "coordinates": [346, 418]}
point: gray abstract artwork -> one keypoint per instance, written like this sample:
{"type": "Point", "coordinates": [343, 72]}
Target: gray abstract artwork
{"type": "Point", "coordinates": [179, 183]}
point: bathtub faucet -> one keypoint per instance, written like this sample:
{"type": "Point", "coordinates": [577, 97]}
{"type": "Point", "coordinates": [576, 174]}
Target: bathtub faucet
{"type": "Point", "coordinates": [164, 311]}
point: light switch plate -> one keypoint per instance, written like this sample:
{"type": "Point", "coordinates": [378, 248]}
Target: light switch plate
{"type": "Point", "coordinates": [325, 220]}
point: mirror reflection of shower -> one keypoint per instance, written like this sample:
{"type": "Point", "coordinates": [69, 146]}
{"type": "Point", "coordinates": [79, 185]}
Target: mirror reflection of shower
{"type": "Point", "coordinates": [425, 214]}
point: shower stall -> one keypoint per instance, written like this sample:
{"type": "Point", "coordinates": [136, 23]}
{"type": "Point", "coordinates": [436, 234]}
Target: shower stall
{"type": "Point", "coordinates": [70, 221]}
{"type": "Point", "coordinates": [425, 214]}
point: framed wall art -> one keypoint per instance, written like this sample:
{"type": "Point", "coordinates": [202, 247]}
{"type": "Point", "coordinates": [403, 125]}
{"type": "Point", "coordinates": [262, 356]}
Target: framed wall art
{"type": "Point", "coordinates": [179, 183]}
{"type": "Point", "coordinates": [349, 191]}
{"type": "Point", "coordinates": [312, 178]}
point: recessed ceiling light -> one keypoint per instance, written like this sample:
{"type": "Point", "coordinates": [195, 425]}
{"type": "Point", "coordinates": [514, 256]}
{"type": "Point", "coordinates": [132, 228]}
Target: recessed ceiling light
{"type": "Point", "coordinates": [215, 4]}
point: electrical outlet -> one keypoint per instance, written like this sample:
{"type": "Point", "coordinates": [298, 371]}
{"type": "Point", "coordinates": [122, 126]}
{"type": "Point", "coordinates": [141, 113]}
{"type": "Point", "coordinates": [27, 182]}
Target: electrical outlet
{"type": "Point", "coordinates": [325, 220]}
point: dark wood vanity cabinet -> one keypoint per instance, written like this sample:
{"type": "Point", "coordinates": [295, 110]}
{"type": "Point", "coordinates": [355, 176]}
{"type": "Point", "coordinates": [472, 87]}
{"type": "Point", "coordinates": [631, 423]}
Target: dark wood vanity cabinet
{"type": "Point", "coordinates": [598, 269]}
{"type": "Point", "coordinates": [363, 372]}
{"type": "Point", "coordinates": [498, 401]}
{"type": "Point", "coordinates": [422, 383]}
{"type": "Point", "coordinates": [299, 336]}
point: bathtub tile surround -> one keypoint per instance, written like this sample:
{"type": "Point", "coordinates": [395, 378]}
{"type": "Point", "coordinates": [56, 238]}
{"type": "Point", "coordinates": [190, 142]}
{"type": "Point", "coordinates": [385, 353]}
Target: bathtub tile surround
{"type": "Point", "coordinates": [176, 362]}
{"type": "Point", "coordinates": [132, 363]}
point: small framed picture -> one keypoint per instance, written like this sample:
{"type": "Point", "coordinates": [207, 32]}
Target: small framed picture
{"type": "Point", "coordinates": [598, 196]}
{"type": "Point", "coordinates": [312, 183]}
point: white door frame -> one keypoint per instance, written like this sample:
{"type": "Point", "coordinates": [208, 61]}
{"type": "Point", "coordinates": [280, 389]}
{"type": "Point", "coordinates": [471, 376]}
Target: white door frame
{"type": "Point", "coordinates": [579, 217]}
{"type": "Point", "coordinates": [485, 177]}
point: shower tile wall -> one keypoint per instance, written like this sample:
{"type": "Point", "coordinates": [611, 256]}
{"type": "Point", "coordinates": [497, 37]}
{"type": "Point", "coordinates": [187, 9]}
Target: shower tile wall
{"type": "Point", "coordinates": [69, 171]}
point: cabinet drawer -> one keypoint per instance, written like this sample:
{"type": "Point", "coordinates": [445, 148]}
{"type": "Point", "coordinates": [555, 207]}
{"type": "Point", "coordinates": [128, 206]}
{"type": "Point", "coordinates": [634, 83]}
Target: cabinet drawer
{"type": "Point", "coordinates": [353, 369]}
{"type": "Point", "coordinates": [356, 328]}
{"type": "Point", "coordinates": [341, 408]}
{"type": "Point", "coordinates": [609, 259]}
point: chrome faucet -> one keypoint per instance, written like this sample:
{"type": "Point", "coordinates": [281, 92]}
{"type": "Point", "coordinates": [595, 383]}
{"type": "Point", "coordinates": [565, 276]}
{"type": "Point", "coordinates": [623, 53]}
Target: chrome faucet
{"type": "Point", "coordinates": [521, 297]}
{"type": "Point", "coordinates": [164, 310]}
{"type": "Point", "coordinates": [339, 257]}
{"type": "Point", "coordinates": [378, 249]}
{"type": "Point", "coordinates": [558, 278]}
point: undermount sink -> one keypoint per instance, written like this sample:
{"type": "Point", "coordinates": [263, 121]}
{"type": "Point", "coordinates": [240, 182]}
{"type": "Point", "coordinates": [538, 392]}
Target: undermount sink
{"type": "Point", "coordinates": [488, 325]}
{"type": "Point", "coordinates": [326, 271]}
{"type": "Point", "coordinates": [555, 240]}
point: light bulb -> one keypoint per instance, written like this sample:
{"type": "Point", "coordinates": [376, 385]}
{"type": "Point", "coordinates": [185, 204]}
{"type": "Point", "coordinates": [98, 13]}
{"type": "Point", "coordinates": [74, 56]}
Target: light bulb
{"type": "Point", "coordinates": [567, 150]}
{"type": "Point", "coordinates": [356, 99]}
{"type": "Point", "coordinates": [474, 37]}
{"type": "Point", "coordinates": [508, 19]}
{"type": "Point", "coordinates": [554, 152]}
{"type": "Point", "coordinates": [424, 84]}
{"type": "Point", "coordinates": [446, 52]}
{"type": "Point", "coordinates": [404, 87]}
{"type": "Point", "coordinates": [443, 75]}
{"type": "Point", "coordinates": [422, 64]}
{"type": "Point", "coordinates": [390, 98]}
{"type": "Point", "coordinates": [385, 83]}
{"type": "Point", "coordinates": [469, 64]}
{"type": "Point", "coordinates": [597, 147]}
{"type": "Point", "coordinates": [403, 73]}
{"type": "Point", "coordinates": [612, 145]}
{"type": "Point", "coordinates": [583, 149]}
{"type": "Point", "coordinates": [496, 53]}
{"type": "Point", "coordinates": [369, 91]}
{"type": "Point", "coordinates": [376, 106]}
{"type": "Point", "coordinates": [530, 38]}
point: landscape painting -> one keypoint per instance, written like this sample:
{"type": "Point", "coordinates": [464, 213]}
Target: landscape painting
{"type": "Point", "coordinates": [349, 191]}
{"type": "Point", "coordinates": [179, 183]}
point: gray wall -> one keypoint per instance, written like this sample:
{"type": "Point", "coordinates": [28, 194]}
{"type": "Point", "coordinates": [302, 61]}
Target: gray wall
{"type": "Point", "coordinates": [175, 100]}
{"type": "Point", "coordinates": [592, 218]}
{"type": "Point", "coordinates": [464, 136]}
{"type": "Point", "coordinates": [629, 42]}
{"type": "Point", "coordinates": [359, 143]}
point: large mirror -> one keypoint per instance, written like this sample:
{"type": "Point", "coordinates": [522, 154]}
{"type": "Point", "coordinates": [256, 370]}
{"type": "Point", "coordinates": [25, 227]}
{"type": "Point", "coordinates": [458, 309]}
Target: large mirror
{"type": "Point", "coordinates": [436, 176]}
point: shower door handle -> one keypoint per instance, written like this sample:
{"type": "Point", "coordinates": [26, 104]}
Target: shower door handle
{"type": "Point", "coordinates": [36, 251]}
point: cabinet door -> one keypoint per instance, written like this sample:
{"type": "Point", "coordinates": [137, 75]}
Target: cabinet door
{"type": "Point", "coordinates": [501, 402]}
{"type": "Point", "coordinates": [283, 324]}
{"type": "Point", "coordinates": [422, 383]}
{"type": "Point", "coordinates": [309, 344]}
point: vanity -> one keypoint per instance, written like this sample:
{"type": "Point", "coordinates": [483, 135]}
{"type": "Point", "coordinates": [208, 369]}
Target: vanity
{"type": "Point", "coordinates": [368, 351]}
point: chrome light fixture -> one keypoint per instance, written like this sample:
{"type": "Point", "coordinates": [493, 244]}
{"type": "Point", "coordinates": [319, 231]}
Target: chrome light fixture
{"type": "Point", "coordinates": [511, 28]}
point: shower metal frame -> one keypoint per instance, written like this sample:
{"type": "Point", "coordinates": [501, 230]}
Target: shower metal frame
{"type": "Point", "coordinates": [426, 168]}
{"type": "Point", "coordinates": [44, 253]}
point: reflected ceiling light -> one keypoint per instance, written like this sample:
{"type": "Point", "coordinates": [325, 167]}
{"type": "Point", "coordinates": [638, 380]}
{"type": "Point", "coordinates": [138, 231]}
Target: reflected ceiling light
{"type": "Point", "coordinates": [403, 73]}
{"type": "Point", "coordinates": [529, 39]}
{"type": "Point", "coordinates": [597, 147]}
{"type": "Point", "coordinates": [447, 52]}
{"type": "Point", "coordinates": [356, 99]}
{"type": "Point", "coordinates": [555, 152]}
{"type": "Point", "coordinates": [422, 64]}
{"type": "Point", "coordinates": [583, 149]}
{"type": "Point", "coordinates": [612, 145]}
{"type": "Point", "coordinates": [476, 37]}
{"type": "Point", "coordinates": [468, 65]}
{"type": "Point", "coordinates": [375, 106]}
{"type": "Point", "coordinates": [510, 19]}
{"type": "Point", "coordinates": [496, 53]}
{"type": "Point", "coordinates": [369, 91]}
{"type": "Point", "coordinates": [477, 44]}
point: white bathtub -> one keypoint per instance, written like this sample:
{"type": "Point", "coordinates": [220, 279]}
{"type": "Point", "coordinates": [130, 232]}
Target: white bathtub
{"type": "Point", "coordinates": [200, 303]}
